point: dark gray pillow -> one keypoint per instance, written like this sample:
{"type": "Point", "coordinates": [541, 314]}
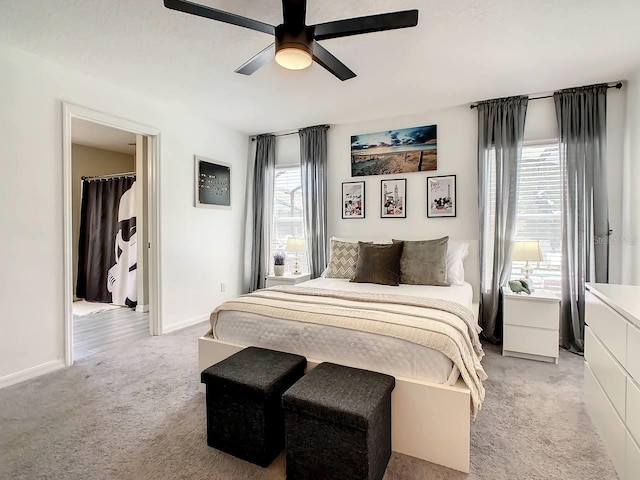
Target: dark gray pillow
{"type": "Point", "coordinates": [378, 263]}
{"type": "Point", "coordinates": [424, 262]}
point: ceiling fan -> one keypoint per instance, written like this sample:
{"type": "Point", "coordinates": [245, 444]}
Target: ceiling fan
{"type": "Point", "coordinates": [296, 44]}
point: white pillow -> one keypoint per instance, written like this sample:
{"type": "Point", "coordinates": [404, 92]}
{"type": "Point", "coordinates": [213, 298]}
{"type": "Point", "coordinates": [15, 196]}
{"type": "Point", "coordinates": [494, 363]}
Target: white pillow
{"type": "Point", "coordinates": [383, 241]}
{"type": "Point", "coordinates": [456, 253]}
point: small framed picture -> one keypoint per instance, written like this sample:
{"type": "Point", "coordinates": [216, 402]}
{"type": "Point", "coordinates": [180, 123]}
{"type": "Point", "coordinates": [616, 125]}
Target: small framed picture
{"type": "Point", "coordinates": [353, 200]}
{"type": "Point", "coordinates": [393, 198]}
{"type": "Point", "coordinates": [441, 196]}
{"type": "Point", "coordinates": [212, 183]}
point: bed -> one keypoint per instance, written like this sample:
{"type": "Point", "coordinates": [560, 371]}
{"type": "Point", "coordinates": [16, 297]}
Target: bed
{"type": "Point", "coordinates": [432, 405]}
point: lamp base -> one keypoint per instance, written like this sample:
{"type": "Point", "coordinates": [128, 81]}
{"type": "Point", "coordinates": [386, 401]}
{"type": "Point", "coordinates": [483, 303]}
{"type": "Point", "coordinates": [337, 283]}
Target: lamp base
{"type": "Point", "coordinates": [296, 267]}
{"type": "Point", "coordinates": [526, 271]}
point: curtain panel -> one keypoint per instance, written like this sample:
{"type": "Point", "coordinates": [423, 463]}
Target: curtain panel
{"type": "Point", "coordinates": [313, 163]}
{"type": "Point", "coordinates": [582, 128]}
{"type": "Point", "coordinates": [107, 252]}
{"type": "Point", "coordinates": [259, 214]}
{"type": "Point", "coordinates": [500, 135]}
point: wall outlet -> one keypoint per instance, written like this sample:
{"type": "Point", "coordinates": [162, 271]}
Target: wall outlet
{"type": "Point", "coordinates": [223, 287]}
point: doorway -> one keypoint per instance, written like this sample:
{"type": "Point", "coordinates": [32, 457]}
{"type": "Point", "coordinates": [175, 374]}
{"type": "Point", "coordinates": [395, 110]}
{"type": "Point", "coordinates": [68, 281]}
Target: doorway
{"type": "Point", "coordinates": [110, 165]}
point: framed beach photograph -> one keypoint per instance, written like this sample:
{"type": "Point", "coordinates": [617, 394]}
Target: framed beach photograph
{"type": "Point", "coordinates": [441, 196]}
{"type": "Point", "coordinates": [353, 200]}
{"type": "Point", "coordinates": [212, 183]}
{"type": "Point", "coordinates": [403, 150]}
{"type": "Point", "coordinates": [393, 195]}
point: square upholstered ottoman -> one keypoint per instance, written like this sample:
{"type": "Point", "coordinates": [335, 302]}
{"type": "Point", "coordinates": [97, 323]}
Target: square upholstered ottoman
{"type": "Point", "coordinates": [244, 409]}
{"type": "Point", "coordinates": [338, 424]}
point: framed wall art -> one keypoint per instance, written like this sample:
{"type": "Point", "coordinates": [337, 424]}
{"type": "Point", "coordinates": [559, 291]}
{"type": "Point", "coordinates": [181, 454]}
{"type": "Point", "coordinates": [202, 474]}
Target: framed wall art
{"type": "Point", "coordinates": [212, 183]}
{"type": "Point", "coordinates": [393, 198]}
{"type": "Point", "coordinates": [441, 196]}
{"type": "Point", "coordinates": [353, 200]}
{"type": "Point", "coordinates": [401, 150]}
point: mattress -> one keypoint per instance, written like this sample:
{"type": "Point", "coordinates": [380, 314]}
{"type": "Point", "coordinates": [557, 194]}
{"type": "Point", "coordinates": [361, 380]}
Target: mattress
{"type": "Point", "coordinates": [349, 347]}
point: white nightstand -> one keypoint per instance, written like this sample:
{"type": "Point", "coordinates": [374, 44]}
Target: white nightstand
{"type": "Point", "coordinates": [288, 279]}
{"type": "Point", "coordinates": [531, 325]}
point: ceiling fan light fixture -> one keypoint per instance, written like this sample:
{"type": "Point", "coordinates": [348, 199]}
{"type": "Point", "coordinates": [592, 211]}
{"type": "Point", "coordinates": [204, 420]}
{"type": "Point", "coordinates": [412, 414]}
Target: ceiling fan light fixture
{"type": "Point", "coordinates": [293, 58]}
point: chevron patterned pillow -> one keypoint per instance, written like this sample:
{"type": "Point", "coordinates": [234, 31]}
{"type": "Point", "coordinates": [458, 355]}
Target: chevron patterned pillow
{"type": "Point", "coordinates": [342, 260]}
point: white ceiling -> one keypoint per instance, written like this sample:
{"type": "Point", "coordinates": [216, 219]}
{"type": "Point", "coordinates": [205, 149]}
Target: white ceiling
{"type": "Point", "coordinates": [461, 51]}
{"type": "Point", "coordinates": [99, 136]}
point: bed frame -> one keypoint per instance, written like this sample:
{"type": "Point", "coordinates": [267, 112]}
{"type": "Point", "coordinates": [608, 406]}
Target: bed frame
{"type": "Point", "coordinates": [428, 420]}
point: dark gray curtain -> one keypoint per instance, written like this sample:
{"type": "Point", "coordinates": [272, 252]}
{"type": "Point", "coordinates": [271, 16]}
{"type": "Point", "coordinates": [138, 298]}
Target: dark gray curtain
{"type": "Point", "coordinates": [500, 133]}
{"type": "Point", "coordinates": [313, 162]}
{"type": "Point", "coordinates": [582, 124]}
{"type": "Point", "coordinates": [106, 245]}
{"type": "Point", "coordinates": [259, 213]}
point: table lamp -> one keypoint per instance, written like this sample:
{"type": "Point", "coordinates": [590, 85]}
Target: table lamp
{"type": "Point", "coordinates": [526, 252]}
{"type": "Point", "coordinates": [296, 245]}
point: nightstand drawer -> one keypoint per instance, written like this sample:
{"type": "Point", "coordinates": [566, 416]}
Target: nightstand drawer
{"type": "Point", "coordinates": [534, 341]}
{"type": "Point", "coordinates": [633, 409]}
{"type": "Point", "coordinates": [633, 352]}
{"type": "Point", "coordinates": [531, 313]}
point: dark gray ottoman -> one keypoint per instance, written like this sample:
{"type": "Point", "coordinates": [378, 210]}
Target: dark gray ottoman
{"type": "Point", "coordinates": [338, 424]}
{"type": "Point", "coordinates": [244, 406]}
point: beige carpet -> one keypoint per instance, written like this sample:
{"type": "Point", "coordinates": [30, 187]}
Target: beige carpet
{"type": "Point", "coordinates": [136, 413]}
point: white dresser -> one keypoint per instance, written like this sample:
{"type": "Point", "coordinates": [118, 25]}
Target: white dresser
{"type": "Point", "coordinates": [612, 371]}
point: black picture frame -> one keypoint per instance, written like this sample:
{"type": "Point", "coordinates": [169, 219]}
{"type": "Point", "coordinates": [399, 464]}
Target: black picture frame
{"type": "Point", "coordinates": [353, 200]}
{"type": "Point", "coordinates": [212, 183]}
{"type": "Point", "coordinates": [393, 198]}
{"type": "Point", "coordinates": [442, 199]}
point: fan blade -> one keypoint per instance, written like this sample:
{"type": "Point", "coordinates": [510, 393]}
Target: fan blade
{"type": "Point", "coordinates": [219, 15]}
{"type": "Point", "coordinates": [331, 63]}
{"type": "Point", "coordinates": [258, 60]}
{"type": "Point", "coordinates": [294, 13]}
{"type": "Point", "coordinates": [372, 23]}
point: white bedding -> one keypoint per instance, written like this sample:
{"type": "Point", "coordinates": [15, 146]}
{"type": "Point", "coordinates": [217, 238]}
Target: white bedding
{"type": "Point", "coordinates": [348, 347]}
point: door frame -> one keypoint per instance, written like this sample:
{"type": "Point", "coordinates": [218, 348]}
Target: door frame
{"type": "Point", "coordinates": [69, 112]}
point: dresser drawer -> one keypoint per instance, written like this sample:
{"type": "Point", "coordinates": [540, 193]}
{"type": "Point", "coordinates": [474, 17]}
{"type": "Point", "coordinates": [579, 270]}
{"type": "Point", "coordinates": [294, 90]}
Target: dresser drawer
{"type": "Point", "coordinates": [608, 326]}
{"type": "Point", "coordinates": [531, 312]}
{"type": "Point", "coordinates": [633, 410]}
{"type": "Point", "coordinates": [633, 353]}
{"type": "Point", "coordinates": [534, 341]}
{"type": "Point", "coordinates": [606, 420]}
{"type": "Point", "coordinates": [633, 459]}
{"type": "Point", "coordinates": [607, 371]}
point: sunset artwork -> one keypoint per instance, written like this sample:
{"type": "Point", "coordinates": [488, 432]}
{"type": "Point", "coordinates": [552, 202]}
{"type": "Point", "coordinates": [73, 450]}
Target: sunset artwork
{"type": "Point", "coordinates": [403, 150]}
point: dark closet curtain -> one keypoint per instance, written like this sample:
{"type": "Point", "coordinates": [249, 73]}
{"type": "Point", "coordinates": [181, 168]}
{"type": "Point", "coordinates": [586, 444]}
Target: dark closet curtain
{"type": "Point", "coordinates": [103, 236]}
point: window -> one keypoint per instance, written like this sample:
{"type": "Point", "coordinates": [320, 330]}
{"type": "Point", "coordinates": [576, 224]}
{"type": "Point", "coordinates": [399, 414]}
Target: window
{"type": "Point", "coordinates": [539, 210]}
{"type": "Point", "coordinates": [288, 216]}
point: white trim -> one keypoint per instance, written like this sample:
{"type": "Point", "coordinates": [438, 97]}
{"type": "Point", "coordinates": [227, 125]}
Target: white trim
{"type": "Point", "coordinates": [174, 327]}
{"type": "Point", "coordinates": [30, 373]}
{"type": "Point", "coordinates": [69, 112]}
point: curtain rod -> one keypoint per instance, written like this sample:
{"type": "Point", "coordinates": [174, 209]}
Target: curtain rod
{"type": "Point", "coordinates": [111, 175]}
{"type": "Point", "coordinates": [294, 132]}
{"type": "Point", "coordinates": [616, 85]}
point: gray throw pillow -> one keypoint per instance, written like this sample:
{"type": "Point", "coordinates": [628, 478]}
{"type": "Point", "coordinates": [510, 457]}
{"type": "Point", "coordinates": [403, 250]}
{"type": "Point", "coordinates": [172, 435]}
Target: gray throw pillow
{"type": "Point", "coordinates": [378, 264]}
{"type": "Point", "coordinates": [424, 262]}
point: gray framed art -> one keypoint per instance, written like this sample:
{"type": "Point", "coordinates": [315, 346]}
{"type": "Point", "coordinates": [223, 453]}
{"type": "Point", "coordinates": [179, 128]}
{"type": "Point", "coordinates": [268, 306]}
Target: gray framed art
{"type": "Point", "coordinates": [212, 183]}
{"type": "Point", "coordinates": [441, 196]}
{"type": "Point", "coordinates": [393, 198]}
{"type": "Point", "coordinates": [353, 200]}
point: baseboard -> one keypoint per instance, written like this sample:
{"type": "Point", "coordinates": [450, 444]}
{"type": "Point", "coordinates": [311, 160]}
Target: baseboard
{"type": "Point", "coordinates": [30, 373]}
{"type": "Point", "coordinates": [184, 324]}
{"type": "Point", "coordinates": [142, 308]}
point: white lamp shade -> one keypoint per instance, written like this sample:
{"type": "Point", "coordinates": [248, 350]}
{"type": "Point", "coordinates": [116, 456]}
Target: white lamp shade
{"type": "Point", "coordinates": [526, 252]}
{"type": "Point", "coordinates": [296, 245]}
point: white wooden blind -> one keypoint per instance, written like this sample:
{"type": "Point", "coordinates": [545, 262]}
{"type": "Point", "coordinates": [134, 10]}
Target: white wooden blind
{"type": "Point", "coordinates": [288, 216]}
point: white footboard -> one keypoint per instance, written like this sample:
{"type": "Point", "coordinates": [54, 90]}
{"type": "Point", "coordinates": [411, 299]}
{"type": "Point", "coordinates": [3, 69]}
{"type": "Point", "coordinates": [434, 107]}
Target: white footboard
{"type": "Point", "coordinates": [428, 420]}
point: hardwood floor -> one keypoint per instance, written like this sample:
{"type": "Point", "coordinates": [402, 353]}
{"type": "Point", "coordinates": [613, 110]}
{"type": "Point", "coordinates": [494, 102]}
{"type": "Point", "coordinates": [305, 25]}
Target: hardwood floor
{"type": "Point", "coordinates": [105, 330]}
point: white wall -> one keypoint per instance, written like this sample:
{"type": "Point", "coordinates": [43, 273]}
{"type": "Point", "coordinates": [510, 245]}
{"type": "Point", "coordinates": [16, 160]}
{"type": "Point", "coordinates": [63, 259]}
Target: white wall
{"type": "Point", "coordinates": [199, 246]}
{"type": "Point", "coordinates": [630, 239]}
{"type": "Point", "coordinates": [457, 155]}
